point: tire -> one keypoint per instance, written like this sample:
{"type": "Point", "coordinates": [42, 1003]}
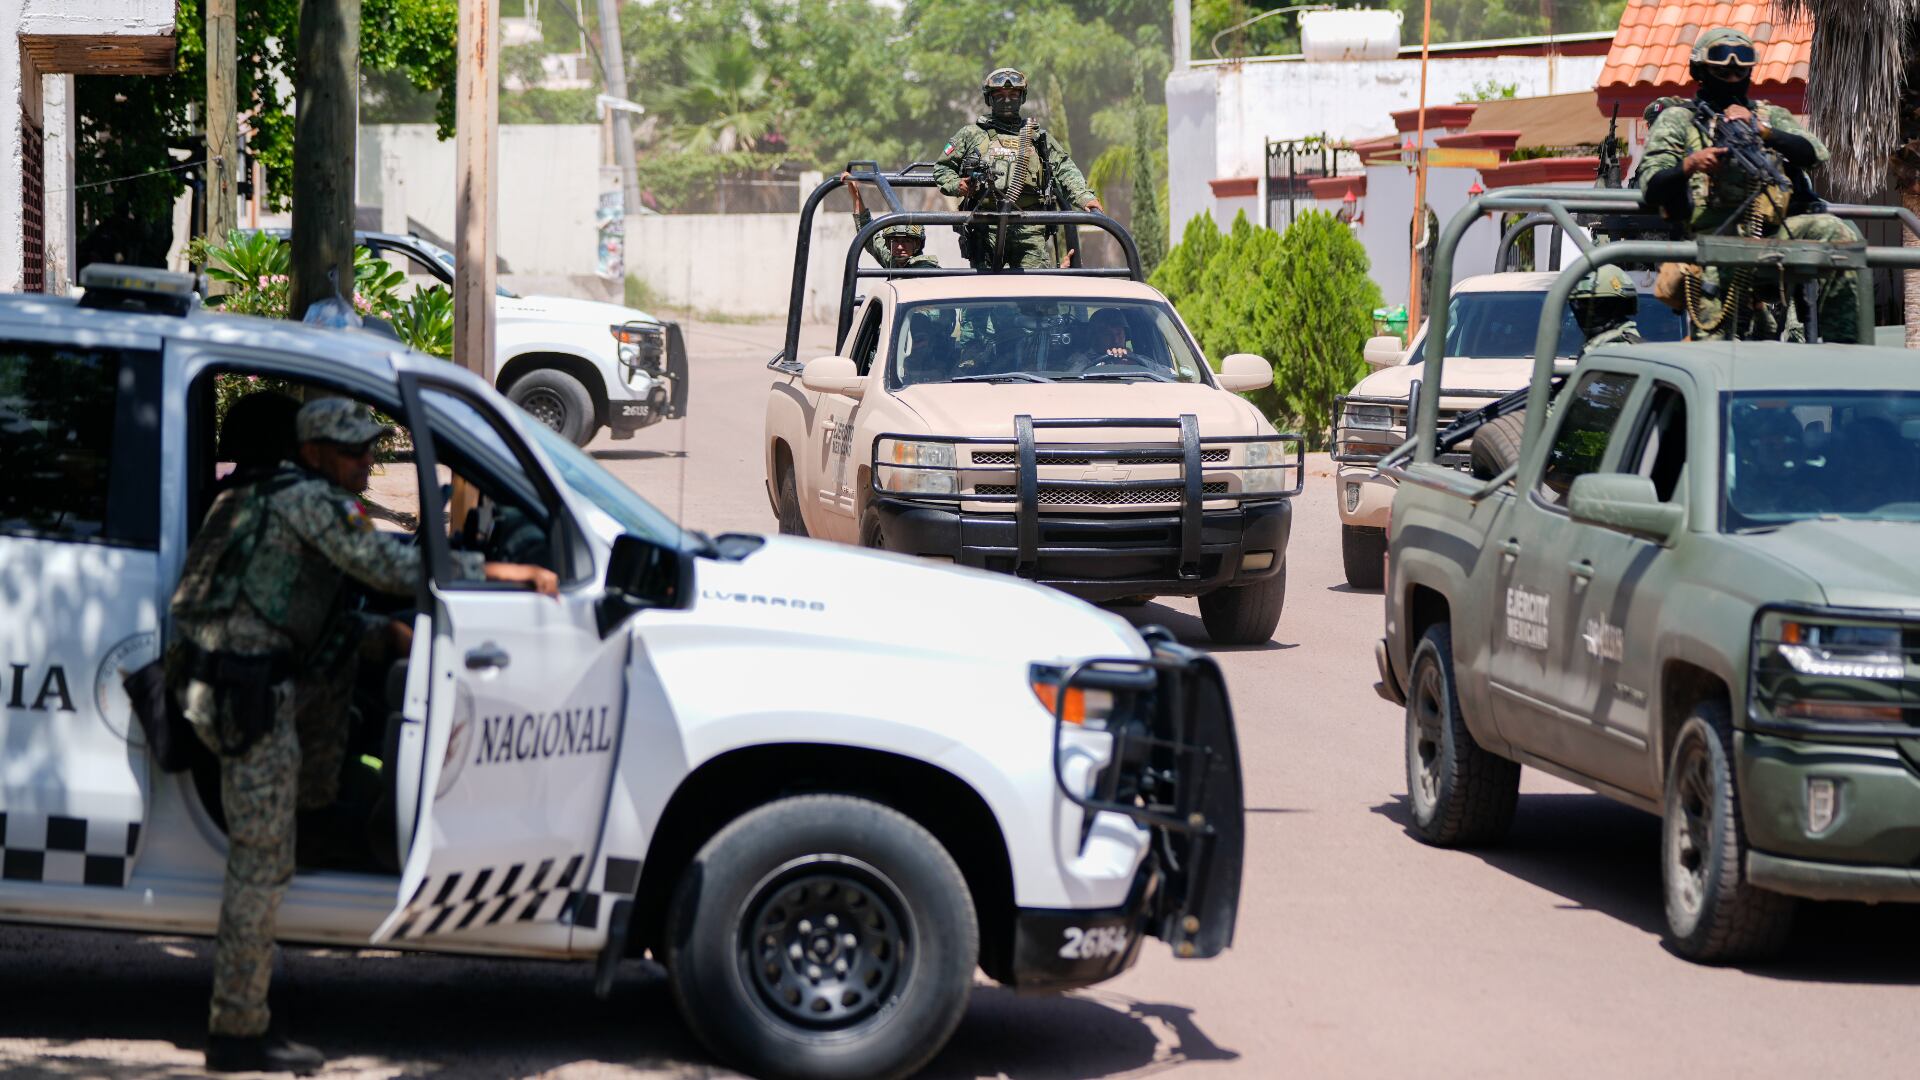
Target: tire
{"type": "Point", "coordinates": [841, 862]}
{"type": "Point", "coordinates": [787, 503]}
{"type": "Point", "coordinates": [1460, 794]}
{"type": "Point", "coordinates": [1496, 446]}
{"type": "Point", "coordinates": [557, 400]}
{"type": "Point", "coordinates": [1245, 614]}
{"type": "Point", "coordinates": [1364, 551]}
{"type": "Point", "coordinates": [1713, 915]}
{"type": "Point", "coordinates": [872, 534]}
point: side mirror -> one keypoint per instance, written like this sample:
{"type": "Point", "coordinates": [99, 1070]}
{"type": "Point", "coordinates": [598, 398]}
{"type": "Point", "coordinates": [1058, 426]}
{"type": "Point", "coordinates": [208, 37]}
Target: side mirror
{"type": "Point", "coordinates": [1384, 351]}
{"type": "Point", "coordinates": [643, 575]}
{"type": "Point", "coordinates": [833, 375]}
{"type": "Point", "coordinates": [1244, 372]}
{"type": "Point", "coordinates": [1626, 503]}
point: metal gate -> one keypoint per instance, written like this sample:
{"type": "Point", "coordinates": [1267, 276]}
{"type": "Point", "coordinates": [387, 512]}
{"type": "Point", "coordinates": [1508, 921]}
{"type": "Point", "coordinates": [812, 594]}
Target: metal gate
{"type": "Point", "coordinates": [1293, 162]}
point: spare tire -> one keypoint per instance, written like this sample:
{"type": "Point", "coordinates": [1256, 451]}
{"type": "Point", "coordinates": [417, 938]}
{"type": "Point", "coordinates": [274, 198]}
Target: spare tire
{"type": "Point", "coordinates": [1496, 446]}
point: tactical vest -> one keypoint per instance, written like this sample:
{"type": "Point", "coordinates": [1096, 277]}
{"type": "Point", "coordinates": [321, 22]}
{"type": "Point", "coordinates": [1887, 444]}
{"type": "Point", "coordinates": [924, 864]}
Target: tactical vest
{"type": "Point", "coordinates": [1715, 198]}
{"type": "Point", "coordinates": [221, 567]}
{"type": "Point", "coordinates": [1002, 151]}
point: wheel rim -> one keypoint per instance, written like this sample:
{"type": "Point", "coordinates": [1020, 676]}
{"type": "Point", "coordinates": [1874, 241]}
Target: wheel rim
{"type": "Point", "coordinates": [1690, 827]}
{"type": "Point", "coordinates": [825, 942]}
{"type": "Point", "coordinates": [1426, 711]}
{"type": "Point", "coordinates": [546, 407]}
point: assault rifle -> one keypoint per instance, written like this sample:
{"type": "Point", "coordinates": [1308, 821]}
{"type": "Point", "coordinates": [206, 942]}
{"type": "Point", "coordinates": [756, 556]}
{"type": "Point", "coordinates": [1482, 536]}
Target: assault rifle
{"type": "Point", "coordinates": [1612, 172]}
{"type": "Point", "coordinates": [985, 193]}
{"type": "Point", "coordinates": [1745, 151]}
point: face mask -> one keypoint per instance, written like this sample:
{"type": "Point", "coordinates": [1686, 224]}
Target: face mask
{"type": "Point", "coordinates": [1003, 107]}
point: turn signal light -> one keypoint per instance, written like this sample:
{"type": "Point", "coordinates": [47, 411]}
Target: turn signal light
{"type": "Point", "coordinates": [1049, 695]}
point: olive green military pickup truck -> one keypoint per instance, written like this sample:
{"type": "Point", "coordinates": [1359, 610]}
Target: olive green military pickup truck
{"type": "Point", "coordinates": [1695, 593]}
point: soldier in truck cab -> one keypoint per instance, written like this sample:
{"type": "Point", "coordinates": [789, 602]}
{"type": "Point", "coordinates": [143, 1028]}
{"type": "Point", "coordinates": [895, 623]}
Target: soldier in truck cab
{"type": "Point", "coordinates": [259, 643]}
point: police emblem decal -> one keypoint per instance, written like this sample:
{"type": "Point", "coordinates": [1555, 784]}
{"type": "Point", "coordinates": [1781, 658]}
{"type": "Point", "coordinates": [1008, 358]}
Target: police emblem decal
{"type": "Point", "coordinates": [109, 696]}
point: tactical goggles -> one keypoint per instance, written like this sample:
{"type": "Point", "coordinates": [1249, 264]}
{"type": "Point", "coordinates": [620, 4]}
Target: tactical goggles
{"type": "Point", "coordinates": [1731, 52]}
{"type": "Point", "coordinates": [1011, 79]}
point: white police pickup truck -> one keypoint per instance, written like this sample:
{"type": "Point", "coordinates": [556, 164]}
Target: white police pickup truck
{"type": "Point", "coordinates": [653, 762]}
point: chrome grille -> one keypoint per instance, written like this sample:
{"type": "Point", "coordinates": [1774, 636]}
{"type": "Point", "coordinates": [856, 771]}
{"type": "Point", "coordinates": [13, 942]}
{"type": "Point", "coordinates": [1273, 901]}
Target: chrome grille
{"type": "Point", "coordinates": [1058, 496]}
{"type": "Point", "coordinates": [1056, 457]}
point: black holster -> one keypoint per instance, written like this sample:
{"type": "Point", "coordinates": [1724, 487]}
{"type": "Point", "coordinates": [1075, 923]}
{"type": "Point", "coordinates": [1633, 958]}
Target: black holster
{"type": "Point", "coordinates": [243, 694]}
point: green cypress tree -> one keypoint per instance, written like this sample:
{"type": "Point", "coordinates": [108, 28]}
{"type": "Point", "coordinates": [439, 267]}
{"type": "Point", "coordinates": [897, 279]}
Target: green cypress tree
{"type": "Point", "coordinates": [1149, 223]}
{"type": "Point", "coordinates": [1323, 298]}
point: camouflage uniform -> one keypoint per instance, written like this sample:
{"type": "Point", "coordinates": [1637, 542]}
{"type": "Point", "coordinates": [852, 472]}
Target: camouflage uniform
{"type": "Point", "coordinates": [263, 579]}
{"type": "Point", "coordinates": [1627, 333]}
{"type": "Point", "coordinates": [877, 244]}
{"type": "Point", "coordinates": [1677, 131]}
{"type": "Point", "coordinates": [998, 144]}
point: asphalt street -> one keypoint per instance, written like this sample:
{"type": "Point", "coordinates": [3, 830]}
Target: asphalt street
{"type": "Point", "coordinates": [1360, 952]}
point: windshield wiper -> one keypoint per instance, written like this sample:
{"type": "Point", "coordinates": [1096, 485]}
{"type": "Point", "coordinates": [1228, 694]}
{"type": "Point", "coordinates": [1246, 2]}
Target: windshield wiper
{"type": "Point", "coordinates": [1140, 374]}
{"type": "Point", "coordinates": [1003, 376]}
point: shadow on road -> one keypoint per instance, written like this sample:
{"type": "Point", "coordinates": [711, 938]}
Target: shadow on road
{"type": "Point", "coordinates": [1601, 856]}
{"type": "Point", "coordinates": [635, 455]}
{"type": "Point", "coordinates": [418, 1015]}
{"type": "Point", "coordinates": [1343, 587]}
{"type": "Point", "coordinates": [1188, 629]}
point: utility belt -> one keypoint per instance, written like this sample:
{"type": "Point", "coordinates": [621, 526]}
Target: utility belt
{"type": "Point", "coordinates": [242, 689]}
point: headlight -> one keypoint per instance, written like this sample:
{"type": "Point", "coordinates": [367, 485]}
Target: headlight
{"type": "Point", "coordinates": [1843, 652]}
{"type": "Point", "coordinates": [639, 345]}
{"type": "Point", "coordinates": [1368, 416]}
{"type": "Point", "coordinates": [1266, 470]}
{"type": "Point", "coordinates": [1839, 672]}
{"type": "Point", "coordinates": [916, 467]}
{"type": "Point", "coordinates": [1085, 706]}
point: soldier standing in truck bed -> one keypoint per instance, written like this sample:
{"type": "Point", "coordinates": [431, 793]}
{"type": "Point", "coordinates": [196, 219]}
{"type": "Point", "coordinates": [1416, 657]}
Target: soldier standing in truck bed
{"type": "Point", "coordinates": [1013, 149]}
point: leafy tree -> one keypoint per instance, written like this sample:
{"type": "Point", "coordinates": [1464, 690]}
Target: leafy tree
{"type": "Point", "coordinates": [1149, 224]}
{"type": "Point", "coordinates": [727, 101]}
{"type": "Point", "coordinates": [127, 124]}
{"type": "Point", "coordinates": [1324, 298]}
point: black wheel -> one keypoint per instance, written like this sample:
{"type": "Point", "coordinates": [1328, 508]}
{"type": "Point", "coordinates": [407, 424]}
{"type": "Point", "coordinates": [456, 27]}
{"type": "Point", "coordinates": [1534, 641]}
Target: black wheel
{"type": "Point", "coordinates": [1461, 794]}
{"type": "Point", "coordinates": [1247, 614]}
{"type": "Point", "coordinates": [788, 502]}
{"type": "Point", "coordinates": [1496, 446]}
{"type": "Point", "coordinates": [872, 535]}
{"type": "Point", "coordinates": [823, 936]}
{"type": "Point", "coordinates": [1364, 551]}
{"type": "Point", "coordinates": [557, 400]}
{"type": "Point", "coordinates": [1713, 915]}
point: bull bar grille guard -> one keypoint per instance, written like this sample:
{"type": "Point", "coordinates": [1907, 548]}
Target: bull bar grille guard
{"type": "Point", "coordinates": [1394, 433]}
{"type": "Point", "coordinates": [1026, 498]}
{"type": "Point", "coordinates": [1186, 788]}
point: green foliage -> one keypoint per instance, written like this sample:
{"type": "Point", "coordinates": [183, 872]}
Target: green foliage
{"type": "Point", "coordinates": [1149, 224]}
{"type": "Point", "coordinates": [425, 321]}
{"type": "Point", "coordinates": [1492, 90]}
{"type": "Point", "coordinates": [727, 100]}
{"type": "Point", "coordinates": [127, 123]}
{"type": "Point", "coordinates": [677, 178]}
{"type": "Point", "coordinates": [1453, 20]}
{"type": "Point", "coordinates": [1302, 299]}
{"type": "Point", "coordinates": [252, 267]}
{"type": "Point", "coordinates": [638, 295]}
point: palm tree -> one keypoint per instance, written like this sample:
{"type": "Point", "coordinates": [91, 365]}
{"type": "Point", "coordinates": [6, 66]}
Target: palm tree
{"type": "Point", "coordinates": [728, 101]}
{"type": "Point", "coordinates": [1863, 94]}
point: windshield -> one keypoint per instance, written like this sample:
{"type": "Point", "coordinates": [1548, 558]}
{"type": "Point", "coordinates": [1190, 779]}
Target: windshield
{"type": "Point", "coordinates": [586, 476]}
{"type": "Point", "coordinates": [1794, 456]}
{"type": "Point", "coordinates": [1041, 340]}
{"type": "Point", "coordinates": [1502, 325]}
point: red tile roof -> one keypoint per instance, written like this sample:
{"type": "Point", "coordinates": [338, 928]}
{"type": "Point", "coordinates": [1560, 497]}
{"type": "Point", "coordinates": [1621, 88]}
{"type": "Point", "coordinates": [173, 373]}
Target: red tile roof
{"type": "Point", "coordinates": [1649, 54]}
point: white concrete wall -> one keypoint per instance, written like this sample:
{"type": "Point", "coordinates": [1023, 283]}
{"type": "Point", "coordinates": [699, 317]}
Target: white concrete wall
{"type": "Point", "coordinates": [742, 264]}
{"type": "Point", "coordinates": [550, 184]}
{"type": "Point", "coordinates": [1220, 115]}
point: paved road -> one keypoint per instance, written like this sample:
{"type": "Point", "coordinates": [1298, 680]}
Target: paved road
{"type": "Point", "coordinates": [1360, 952]}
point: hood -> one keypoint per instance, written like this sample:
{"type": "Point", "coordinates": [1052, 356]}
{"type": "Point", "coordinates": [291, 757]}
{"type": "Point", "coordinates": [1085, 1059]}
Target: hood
{"type": "Point", "coordinates": [986, 410]}
{"type": "Point", "coordinates": [568, 309]}
{"type": "Point", "coordinates": [1866, 564]}
{"type": "Point", "coordinates": [878, 600]}
{"type": "Point", "coordinates": [1460, 372]}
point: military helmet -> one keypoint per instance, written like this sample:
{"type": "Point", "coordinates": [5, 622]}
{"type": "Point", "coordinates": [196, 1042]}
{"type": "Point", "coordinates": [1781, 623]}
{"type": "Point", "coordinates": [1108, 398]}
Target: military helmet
{"type": "Point", "coordinates": [1723, 48]}
{"type": "Point", "coordinates": [1606, 283]}
{"type": "Point", "coordinates": [913, 232]}
{"type": "Point", "coordinates": [1005, 76]}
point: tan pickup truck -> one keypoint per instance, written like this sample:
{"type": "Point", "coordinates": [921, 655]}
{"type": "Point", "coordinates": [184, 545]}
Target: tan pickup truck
{"type": "Point", "coordinates": [1059, 425]}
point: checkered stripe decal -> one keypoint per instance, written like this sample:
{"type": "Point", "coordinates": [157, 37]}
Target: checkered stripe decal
{"type": "Point", "coordinates": [619, 879]}
{"type": "Point", "coordinates": [63, 850]}
{"type": "Point", "coordinates": [490, 895]}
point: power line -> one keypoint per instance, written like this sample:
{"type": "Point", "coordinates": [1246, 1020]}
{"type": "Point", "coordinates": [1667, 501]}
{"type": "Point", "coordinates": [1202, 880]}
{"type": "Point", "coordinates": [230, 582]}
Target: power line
{"type": "Point", "coordinates": [135, 176]}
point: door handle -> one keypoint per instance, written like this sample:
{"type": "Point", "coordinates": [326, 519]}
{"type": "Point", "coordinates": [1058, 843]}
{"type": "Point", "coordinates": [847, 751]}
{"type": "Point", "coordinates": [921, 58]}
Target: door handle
{"type": "Point", "coordinates": [1510, 547]}
{"type": "Point", "coordinates": [486, 657]}
{"type": "Point", "coordinates": [1582, 569]}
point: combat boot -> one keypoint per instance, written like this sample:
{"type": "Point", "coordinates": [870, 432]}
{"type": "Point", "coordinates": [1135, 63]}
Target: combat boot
{"type": "Point", "coordinates": [261, 1053]}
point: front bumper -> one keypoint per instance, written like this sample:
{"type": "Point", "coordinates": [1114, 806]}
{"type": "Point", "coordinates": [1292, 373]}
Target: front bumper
{"type": "Point", "coordinates": [1174, 769]}
{"type": "Point", "coordinates": [656, 391]}
{"type": "Point", "coordinates": [1871, 851]}
{"type": "Point", "coordinates": [1098, 557]}
{"type": "Point", "coordinates": [1364, 497]}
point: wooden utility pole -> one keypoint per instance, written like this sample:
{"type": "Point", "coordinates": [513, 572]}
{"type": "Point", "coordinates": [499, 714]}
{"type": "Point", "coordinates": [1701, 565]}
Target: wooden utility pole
{"type": "Point", "coordinates": [476, 168]}
{"type": "Point", "coordinates": [1419, 230]}
{"type": "Point", "coordinates": [615, 76]}
{"type": "Point", "coordinates": [327, 96]}
{"type": "Point", "coordinates": [223, 125]}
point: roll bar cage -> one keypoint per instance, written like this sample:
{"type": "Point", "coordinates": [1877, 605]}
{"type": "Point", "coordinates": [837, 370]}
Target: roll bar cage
{"type": "Point", "coordinates": [919, 174]}
{"type": "Point", "coordinates": [1559, 205]}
